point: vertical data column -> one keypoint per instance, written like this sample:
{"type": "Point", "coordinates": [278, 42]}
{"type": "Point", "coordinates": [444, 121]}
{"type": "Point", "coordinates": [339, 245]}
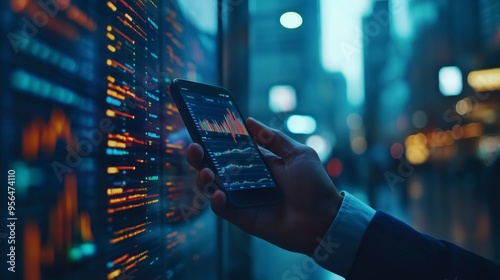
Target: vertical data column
{"type": "Point", "coordinates": [178, 195]}
{"type": "Point", "coordinates": [132, 152]}
{"type": "Point", "coordinates": [190, 229]}
{"type": "Point", "coordinates": [49, 96]}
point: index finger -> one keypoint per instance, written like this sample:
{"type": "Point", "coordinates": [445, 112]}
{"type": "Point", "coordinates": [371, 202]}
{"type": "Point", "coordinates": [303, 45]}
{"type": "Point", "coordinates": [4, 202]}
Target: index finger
{"type": "Point", "coordinates": [273, 140]}
{"type": "Point", "coordinates": [195, 156]}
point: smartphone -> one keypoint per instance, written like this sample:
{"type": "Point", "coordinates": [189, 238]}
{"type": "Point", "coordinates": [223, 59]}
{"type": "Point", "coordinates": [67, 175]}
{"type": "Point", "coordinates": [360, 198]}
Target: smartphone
{"type": "Point", "coordinates": [214, 121]}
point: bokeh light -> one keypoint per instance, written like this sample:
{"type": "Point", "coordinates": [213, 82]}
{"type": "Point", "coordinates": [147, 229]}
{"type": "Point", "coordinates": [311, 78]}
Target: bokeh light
{"type": "Point", "coordinates": [334, 167]}
{"type": "Point", "coordinates": [397, 150]}
{"type": "Point", "coordinates": [282, 98]}
{"type": "Point", "coordinates": [450, 81]}
{"type": "Point", "coordinates": [300, 124]}
{"type": "Point", "coordinates": [321, 145]}
{"type": "Point", "coordinates": [354, 121]}
{"type": "Point", "coordinates": [358, 145]}
{"type": "Point", "coordinates": [291, 20]}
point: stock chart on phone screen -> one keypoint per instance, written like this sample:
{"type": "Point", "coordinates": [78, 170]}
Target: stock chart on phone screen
{"type": "Point", "coordinates": [226, 139]}
{"type": "Point", "coordinates": [96, 142]}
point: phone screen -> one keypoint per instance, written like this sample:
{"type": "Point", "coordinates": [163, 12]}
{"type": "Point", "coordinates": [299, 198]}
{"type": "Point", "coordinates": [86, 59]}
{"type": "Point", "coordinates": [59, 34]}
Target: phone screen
{"type": "Point", "coordinates": [233, 153]}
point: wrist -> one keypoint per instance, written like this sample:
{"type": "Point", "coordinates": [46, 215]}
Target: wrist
{"type": "Point", "coordinates": [330, 212]}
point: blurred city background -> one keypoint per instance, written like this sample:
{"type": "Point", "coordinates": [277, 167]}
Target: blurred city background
{"type": "Point", "coordinates": [396, 99]}
{"type": "Point", "coordinates": [400, 99]}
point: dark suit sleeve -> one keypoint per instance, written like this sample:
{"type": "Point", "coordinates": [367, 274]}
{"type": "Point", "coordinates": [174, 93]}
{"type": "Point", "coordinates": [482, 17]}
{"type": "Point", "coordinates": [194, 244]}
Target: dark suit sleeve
{"type": "Point", "coordinates": [390, 249]}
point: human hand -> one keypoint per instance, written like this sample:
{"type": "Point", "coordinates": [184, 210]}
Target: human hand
{"type": "Point", "coordinates": [311, 199]}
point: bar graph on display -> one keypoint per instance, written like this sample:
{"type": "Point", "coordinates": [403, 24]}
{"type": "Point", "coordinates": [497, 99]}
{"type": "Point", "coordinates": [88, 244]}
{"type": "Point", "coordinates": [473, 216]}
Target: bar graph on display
{"type": "Point", "coordinates": [231, 124]}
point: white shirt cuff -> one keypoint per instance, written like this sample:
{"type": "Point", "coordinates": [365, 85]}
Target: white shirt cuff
{"type": "Point", "coordinates": [339, 246]}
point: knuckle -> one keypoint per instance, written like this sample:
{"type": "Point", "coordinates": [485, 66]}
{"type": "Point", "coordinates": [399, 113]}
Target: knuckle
{"type": "Point", "coordinates": [308, 151]}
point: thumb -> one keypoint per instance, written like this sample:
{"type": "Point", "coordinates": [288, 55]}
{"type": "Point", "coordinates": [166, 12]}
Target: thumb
{"type": "Point", "coordinates": [272, 139]}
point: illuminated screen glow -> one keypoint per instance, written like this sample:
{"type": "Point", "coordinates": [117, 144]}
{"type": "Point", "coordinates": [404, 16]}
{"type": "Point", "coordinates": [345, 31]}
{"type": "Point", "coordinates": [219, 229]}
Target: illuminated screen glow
{"type": "Point", "coordinates": [235, 158]}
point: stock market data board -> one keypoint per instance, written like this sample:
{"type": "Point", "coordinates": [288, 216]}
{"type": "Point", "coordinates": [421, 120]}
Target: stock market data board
{"type": "Point", "coordinates": [93, 146]}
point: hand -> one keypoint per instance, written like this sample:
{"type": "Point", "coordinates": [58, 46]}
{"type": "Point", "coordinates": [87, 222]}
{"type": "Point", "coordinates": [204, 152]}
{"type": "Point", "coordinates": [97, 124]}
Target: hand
{"type": "Point", "coordinates": [311, 199]}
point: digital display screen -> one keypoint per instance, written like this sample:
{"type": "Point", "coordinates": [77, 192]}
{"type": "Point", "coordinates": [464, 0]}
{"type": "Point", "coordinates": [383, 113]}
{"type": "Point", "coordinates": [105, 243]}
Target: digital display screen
{"type": "Point", "coordinates": [94, 144]}
{"type": "Point", "coordinates": [235, 157]}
